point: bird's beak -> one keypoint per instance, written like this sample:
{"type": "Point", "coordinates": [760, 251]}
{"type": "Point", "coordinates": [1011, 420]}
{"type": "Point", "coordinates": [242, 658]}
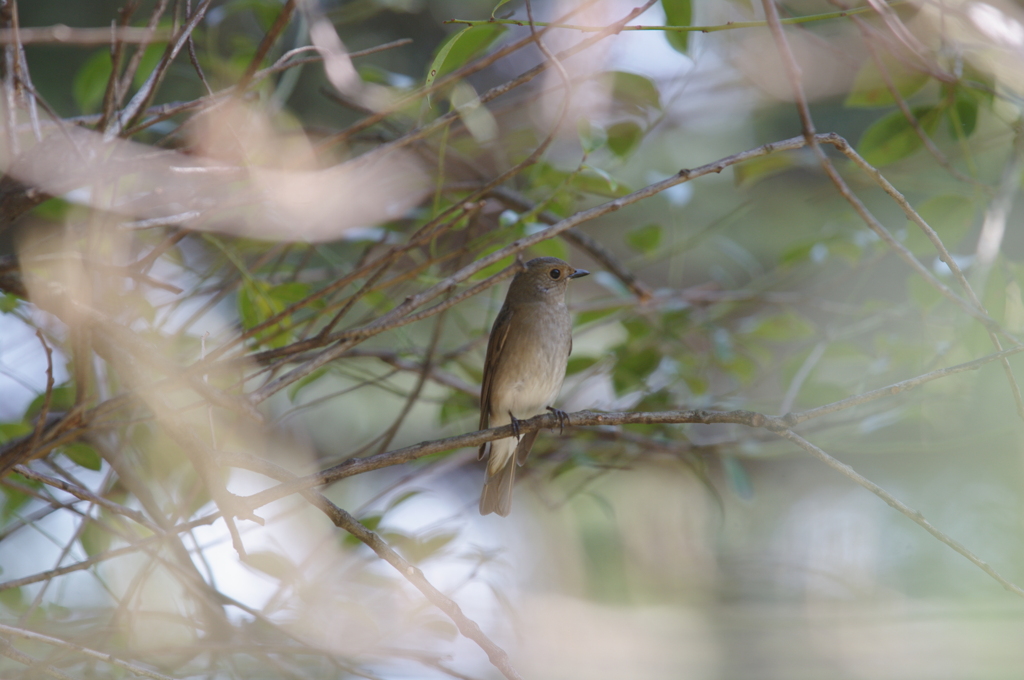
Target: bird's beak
{"type": "Point", "coordinates": [578, 273]}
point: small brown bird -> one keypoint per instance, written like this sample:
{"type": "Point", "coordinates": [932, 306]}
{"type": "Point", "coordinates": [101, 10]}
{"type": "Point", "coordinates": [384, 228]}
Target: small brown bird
{"type": "Point", "coordinates": [526, 356]}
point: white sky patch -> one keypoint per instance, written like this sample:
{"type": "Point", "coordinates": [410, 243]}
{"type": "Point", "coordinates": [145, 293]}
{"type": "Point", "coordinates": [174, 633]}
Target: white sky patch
{"type": "Point", "coordinates": [647, 52]}
{"type": "Point", "coordinates": [996, 24]}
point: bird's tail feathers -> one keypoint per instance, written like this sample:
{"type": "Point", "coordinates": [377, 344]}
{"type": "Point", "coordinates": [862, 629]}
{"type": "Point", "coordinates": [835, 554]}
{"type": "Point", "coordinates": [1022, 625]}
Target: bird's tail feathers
{"type": "Point", "coordinates": [497, 493]}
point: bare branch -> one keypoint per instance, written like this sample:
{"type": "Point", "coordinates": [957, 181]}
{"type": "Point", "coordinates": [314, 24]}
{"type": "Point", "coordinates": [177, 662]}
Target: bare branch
{"type": "Point", "coordinates": [344, 520]}
{"type": "Point", "coordinates": [899, 506]}
{"type": "Point", "coordinates": [65, 35]}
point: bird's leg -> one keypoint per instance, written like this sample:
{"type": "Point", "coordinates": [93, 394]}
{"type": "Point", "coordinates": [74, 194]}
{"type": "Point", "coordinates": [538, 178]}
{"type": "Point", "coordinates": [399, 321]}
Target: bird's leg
{"type": "Point", "coordinates": [562, 416]}
{"type": "Point", "coordinates": [514, 422]}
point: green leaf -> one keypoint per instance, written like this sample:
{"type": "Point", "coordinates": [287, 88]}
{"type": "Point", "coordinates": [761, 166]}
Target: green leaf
{"type": "Point", "coordinates": [90, 82]}
{"type": "Point", "coordinates": [54, 209]}
{"type": "Point", "coordinates": [577, 364]}
{"type": "Point", "coordinates": [13, 500]}
{"type": "Point", "coordinates": [751, 172]}
{"type": "Point", "coordinates": [596, 181]}
{"type": "Point", "coordinates": [403, 498]}
{"type": "Point", "coordinates": [595, 314]}
{"type": "Point", "coordinates": [460, 48]}
{"type": "Point", "coordinates": [661, 400]}
{"type": "Point", "coordinates": [741, 367]}
{"type": "Point", "coordinates": [633, 92]}
{"type": "Point", "coordinates": [678, 13]}
{"type": "Point", "coordinates": [796, 254]}
{"type": "Point", "coordinates": [624, 137]}
{"type": "Point", "coordinates": [494, 268]}
{"type": "Point", "coordinates": [8, 303]}
{"type": "Point", "coordinates": [371, 522]}
{"type": "Point", "coordinates": [963, 115]}
{"type": "Point", "coordinates": [289, 293]}
{"type": "Point", "coordinates": [498, 6]}
{"type": "Point", "coordinates": [645, 239]}
{"type": "Point", "coordinates": [457, 405]}
{"type": "Point", "coordinates": [870, 91]}
{"type": "Point", "coordinates": [61, 399]}
{"type": "Point", "coordinates": [248, 299]}
{"type": "Point", "coordinates": [418, 549]}
{"type": "Point", "coordinates": [258, 301]}
{"type": "Point", "coordinates": [637, 328]}
{"type": "Point", "coordinates": [150, 58]}
{"type": "Point", "coordinates": [784, 327]}
{"type": "Point", "coordinates": [892, 137]}
{"type": "Point", "coordinates": [9, 431]}
{"type": "Point", "coordinates": [94, 538]}
{"type": "Point", "coordinates": [696, 384]}
{"type": "Point", "coordinates": [265, 12]}
{"type": "Point", "coordinates": [592, 137]}
{"type": "Point", "coordinates": [83, 454]}
{"type": "Point", "coordinates": [436, 543]}
{"type": "Point", "coordinates": [308, 380]}
{"type": "Point", "coordinates": [632, 367]}
{"type": "Point", "coordinates": [980, 84]}
{"type": "Point", "coordinates": [372, 73]}
{"type": "Point", "coordinates": [950, 216]}
{"type": "Point", "coordinates": [12, 599]}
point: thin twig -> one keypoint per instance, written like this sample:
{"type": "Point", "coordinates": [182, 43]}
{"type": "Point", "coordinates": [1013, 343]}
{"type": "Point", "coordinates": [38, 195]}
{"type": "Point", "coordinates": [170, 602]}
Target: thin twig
{"type": "Point", "coordinates": [137, 105]}
{"type": "Point", "coordinates": [132, 67]}
{"type": "Point", "coordinates": [84, 494]}
{"type": "Point", "coordinates": [47, 395]}
{"type": "Point", "coordinates": [91, 653]}
{"type": "Point", "coordinates": [271, 36]}
{"type": "Point", "coordinates": [8, 650]}
{"type": "Point", "coordinates": [421, 380]}
{"type": "Point", "coordinates": [108, 555]}
{"type": "Point", "coordinates": [581, 240]}
{"type": "Point", "coordinates": [900, 507]}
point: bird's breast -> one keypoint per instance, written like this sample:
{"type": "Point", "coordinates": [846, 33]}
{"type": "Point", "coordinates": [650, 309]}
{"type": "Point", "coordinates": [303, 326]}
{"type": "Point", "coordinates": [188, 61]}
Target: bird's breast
{"type": "Point", "coordinates": [534, 356]}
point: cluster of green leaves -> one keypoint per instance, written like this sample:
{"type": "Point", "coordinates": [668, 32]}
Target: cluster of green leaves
{"type": "Point", "coordinates": [895, 136]}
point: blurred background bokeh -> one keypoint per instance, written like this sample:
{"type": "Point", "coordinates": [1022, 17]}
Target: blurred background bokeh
{"type": "Point", "coordinates": [654, 551]}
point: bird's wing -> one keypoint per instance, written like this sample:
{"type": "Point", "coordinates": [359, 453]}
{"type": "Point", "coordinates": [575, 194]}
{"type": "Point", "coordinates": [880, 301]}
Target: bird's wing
{"type": "Point", "coordinates": [524, 446]}
{"type": "Point", "coordinates": [499, 333]}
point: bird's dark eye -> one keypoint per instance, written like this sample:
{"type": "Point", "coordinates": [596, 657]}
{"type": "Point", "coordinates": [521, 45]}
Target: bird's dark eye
{"type": "Point", "coordinates": [556, 273]}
